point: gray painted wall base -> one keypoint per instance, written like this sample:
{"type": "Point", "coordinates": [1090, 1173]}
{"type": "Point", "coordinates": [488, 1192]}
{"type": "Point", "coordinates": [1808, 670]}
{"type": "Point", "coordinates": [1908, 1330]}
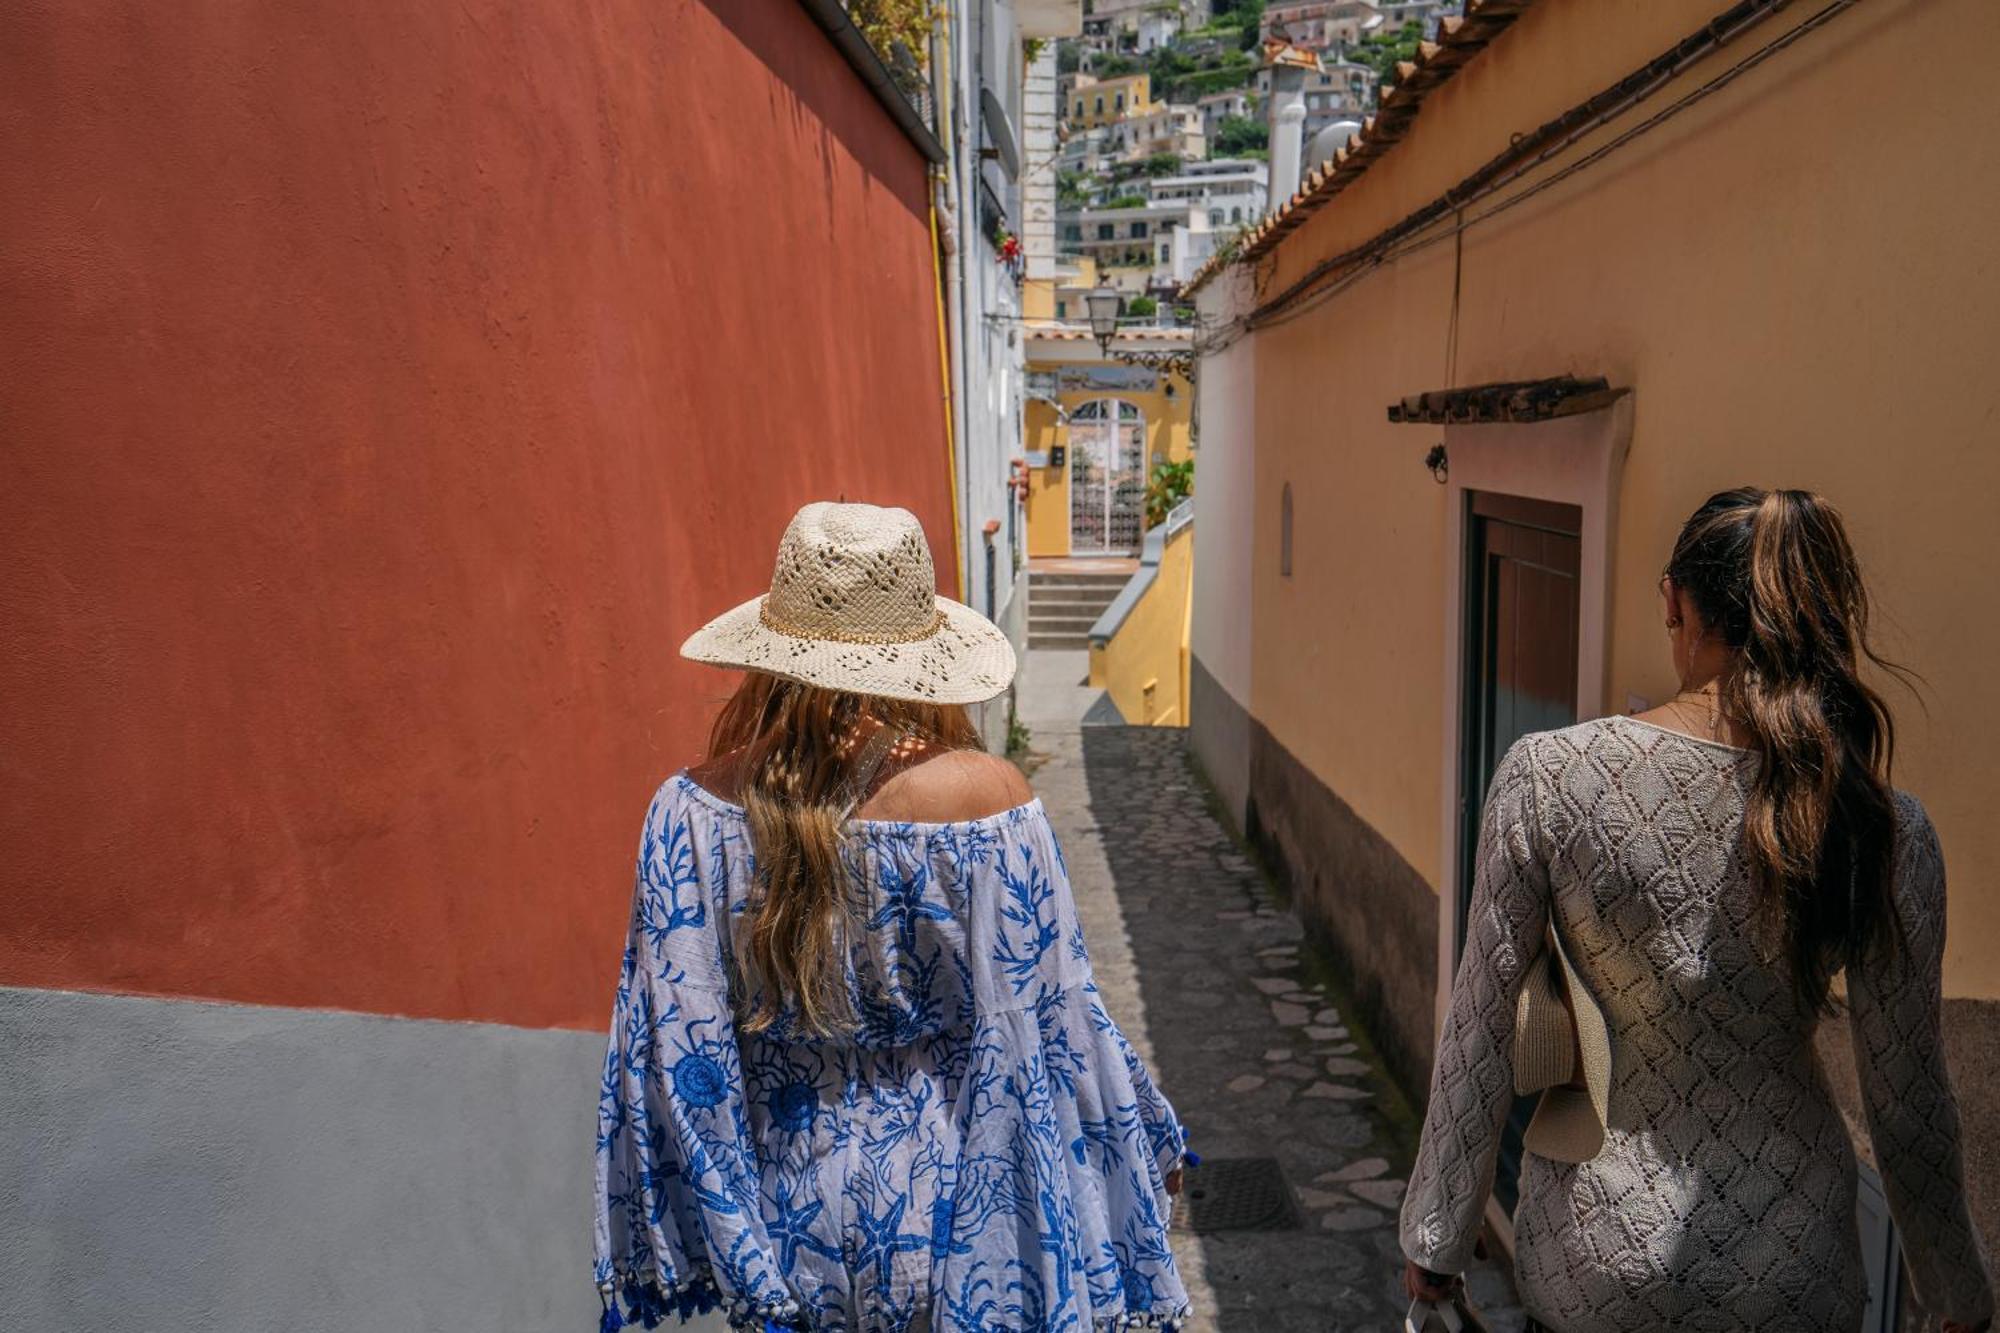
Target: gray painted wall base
{"type": "Point", "coordinates": [1357, 895]}
{"type": "Point", "coordinates": [171, 1166]}
{"type": "Point", "coordinates": [1219, 730]}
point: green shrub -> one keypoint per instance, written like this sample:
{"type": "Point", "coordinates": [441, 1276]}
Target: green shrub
{"type": "Point", "coordinates": [1170, 484]}
{"type": "Point", "coordinates": [1238, 136]}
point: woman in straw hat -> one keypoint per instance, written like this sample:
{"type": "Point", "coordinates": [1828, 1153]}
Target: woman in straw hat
{"type": "Point", "coordinates": [859, 1077]}
{"type": "Point", "coordinates": [1693, 879]}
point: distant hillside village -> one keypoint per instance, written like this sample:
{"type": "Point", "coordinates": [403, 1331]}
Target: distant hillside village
{"type": "Point", "coordinates": [1183, 120]}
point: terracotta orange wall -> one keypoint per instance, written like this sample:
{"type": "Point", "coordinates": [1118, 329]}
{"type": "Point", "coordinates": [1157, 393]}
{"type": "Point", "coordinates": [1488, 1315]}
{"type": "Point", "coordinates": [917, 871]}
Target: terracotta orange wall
{"type": "Point", "coordinates": [387, 391]}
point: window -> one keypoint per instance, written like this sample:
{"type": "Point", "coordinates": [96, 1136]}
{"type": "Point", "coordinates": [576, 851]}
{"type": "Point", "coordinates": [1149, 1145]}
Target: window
{"type": "Point", "coordinates": [1236, 213]}
{"type": "Point", "coordinates": [1285, 531]}
{"type": "Point", "coordinates": [1215, 217]}
{"type": "Point", "coordinates": [1072, 231]}
{"type": "Point", "coordinates": [1062, 310]}
{"type": "Point", "coordinates": [1138, 231]}
{"type": "Point", "coordinates": [1106, 231]}
{"type": "Point", "coordinates": [1100, 104]}
{"type": "Point", "coordinates": [1119, 102]}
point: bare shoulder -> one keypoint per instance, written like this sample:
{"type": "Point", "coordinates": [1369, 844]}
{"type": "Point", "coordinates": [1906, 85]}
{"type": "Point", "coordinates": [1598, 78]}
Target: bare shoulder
{"type": "Point", "coordinates": [947, 787]}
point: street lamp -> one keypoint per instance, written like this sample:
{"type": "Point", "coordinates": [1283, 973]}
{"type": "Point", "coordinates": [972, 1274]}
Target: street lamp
{"type": "Point", "coordinates": [1104, 303]}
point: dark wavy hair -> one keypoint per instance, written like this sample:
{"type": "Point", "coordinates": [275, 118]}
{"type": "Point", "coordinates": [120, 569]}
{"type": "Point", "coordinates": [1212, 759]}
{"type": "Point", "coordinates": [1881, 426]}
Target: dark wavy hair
{"type": "Point", "coordinates": [1773, 573]}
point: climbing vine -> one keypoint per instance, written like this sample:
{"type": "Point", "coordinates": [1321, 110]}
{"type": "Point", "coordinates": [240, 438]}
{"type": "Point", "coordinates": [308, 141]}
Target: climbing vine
{"type": "Point", "coordinates": [887, 22]}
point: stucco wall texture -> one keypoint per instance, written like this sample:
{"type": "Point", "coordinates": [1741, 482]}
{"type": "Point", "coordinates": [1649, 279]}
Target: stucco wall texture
{"type": "Point", "coordinates": [387, 392]}
{"type": "Point", "coordinates": [1782, 318]}
{"type": "Point", "coordinates": [1781, 321]}
{"type": "Point", "coordinates": [174, 1166]}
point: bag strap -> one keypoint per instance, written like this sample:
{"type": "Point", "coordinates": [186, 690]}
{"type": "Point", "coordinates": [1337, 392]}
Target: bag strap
{"type": "Point", "coordinates": [1422, 1312]}
{"type": "Point", "coordinates": [873, 751]}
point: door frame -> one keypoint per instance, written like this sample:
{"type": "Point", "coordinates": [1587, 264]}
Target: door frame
{"type": "Point", "coordinates": [1521, 512]}
{"type": "Point", "coordinates": [1118, 405]}
{"type": "Point", "coordinates": [1575, 460]}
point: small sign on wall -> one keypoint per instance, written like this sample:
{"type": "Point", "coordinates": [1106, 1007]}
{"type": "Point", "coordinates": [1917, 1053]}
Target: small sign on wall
{"type": "Point", "coordinates": [1038, 458]}
{"type": "Point", "coordinates": [1058, 456]}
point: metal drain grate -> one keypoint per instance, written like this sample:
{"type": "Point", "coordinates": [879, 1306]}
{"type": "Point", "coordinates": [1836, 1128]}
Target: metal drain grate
{"type": "Point", "coordinates": [1239, 1194]}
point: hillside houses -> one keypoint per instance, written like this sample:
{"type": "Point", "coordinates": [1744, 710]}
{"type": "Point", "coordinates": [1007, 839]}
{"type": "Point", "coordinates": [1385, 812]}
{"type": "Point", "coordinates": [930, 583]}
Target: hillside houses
{"type": "Point", "coordinates": [1165, 137]}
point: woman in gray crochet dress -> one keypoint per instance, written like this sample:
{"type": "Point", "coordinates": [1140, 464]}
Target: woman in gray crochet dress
{"type": "Point", "coordinates": [1711, 867]}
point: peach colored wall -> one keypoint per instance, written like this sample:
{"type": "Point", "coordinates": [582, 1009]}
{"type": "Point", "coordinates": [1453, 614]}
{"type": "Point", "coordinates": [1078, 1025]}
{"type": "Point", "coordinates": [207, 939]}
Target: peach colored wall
{"type": "Point", "coordinates": [1796, 282]}
{"type": "Point", "coordinates": [388, 390]}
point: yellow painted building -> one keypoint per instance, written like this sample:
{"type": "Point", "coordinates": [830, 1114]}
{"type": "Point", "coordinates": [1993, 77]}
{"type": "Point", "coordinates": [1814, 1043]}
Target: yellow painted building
{"type": "Point", "coordinates": [1108, 423]}
{"type": "Point", "coordinates": [1143, 661]}
{"type": "Point", "coordinates": [1095, 102]}
{"type": "Point", "coordinates": [1792, 286]}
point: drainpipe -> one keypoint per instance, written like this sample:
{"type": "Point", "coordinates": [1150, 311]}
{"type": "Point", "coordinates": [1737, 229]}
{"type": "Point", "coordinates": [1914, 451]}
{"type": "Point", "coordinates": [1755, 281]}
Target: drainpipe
{"type": "Point", "coordinates": [940, 264]}
{"type": "Point", "coordinates": [954, 300]}
{"type": "Point", "coordinates": [992, 571]}
{"type": "Point", "coordinates": [954, 306]}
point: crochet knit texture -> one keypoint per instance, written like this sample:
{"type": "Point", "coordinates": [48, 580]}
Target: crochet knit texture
{"type": "Point", "coordinates": [1724, 1198]}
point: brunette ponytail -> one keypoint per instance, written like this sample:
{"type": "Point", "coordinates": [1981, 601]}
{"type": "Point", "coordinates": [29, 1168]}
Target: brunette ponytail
{"type": "Point", "coordinates": [1773, 574]}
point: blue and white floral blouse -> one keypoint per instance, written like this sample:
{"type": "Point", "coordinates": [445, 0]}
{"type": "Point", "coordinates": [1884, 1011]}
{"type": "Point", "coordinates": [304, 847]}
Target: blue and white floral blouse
{"type": "Point", "coordinates": [984, 1153]}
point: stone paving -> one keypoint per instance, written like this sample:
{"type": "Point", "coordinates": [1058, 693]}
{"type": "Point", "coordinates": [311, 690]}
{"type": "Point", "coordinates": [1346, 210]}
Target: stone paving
{"type": "Point", "coordinates": [1210, 976]}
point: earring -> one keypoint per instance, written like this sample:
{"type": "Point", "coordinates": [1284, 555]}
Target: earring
{"type": "Point", "coordinates": [1673, 622]}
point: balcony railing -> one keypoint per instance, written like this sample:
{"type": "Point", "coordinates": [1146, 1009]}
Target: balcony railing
{"type": "Point", "coordinates": [899, 32]}
{"type": "Point", "coordinates": [887, 43]}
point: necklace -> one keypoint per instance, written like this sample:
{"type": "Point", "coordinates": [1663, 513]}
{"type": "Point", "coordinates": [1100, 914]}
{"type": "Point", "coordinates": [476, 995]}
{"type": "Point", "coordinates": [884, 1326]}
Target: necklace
{"type": "Point", "coordinates": [1710, 717]}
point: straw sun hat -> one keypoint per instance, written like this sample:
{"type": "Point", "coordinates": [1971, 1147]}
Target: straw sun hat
{"type": "Point", "coordinates": [854, 606]}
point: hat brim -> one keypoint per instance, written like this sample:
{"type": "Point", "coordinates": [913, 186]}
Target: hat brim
{"type": "Point", "coordinates": [967, 661]}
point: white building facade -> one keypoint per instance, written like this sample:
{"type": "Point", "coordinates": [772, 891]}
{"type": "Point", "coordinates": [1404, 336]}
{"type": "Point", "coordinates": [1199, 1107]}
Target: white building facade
{"type": "Point", "coordinates": [1233, 191]}
{"type": "Point", "coordinates": [985, 197]}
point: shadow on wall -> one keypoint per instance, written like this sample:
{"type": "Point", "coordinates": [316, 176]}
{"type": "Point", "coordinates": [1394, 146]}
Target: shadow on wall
{"type": "Point", "coordinates": [1366, 907]}
{"type": "Point", "coordinates": [793, 47]}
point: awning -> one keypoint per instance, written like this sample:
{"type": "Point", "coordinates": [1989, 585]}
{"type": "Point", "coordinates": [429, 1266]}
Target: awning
{"type": "Point", "coordinates": [1511, 400]}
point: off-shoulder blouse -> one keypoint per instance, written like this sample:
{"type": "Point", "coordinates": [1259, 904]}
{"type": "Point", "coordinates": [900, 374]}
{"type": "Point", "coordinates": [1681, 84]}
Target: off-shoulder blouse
{"type": "Point", "coordinates": [984, 1152]}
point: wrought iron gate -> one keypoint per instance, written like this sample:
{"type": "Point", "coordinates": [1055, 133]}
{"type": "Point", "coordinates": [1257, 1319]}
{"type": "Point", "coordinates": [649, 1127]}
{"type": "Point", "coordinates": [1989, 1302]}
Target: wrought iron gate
{"type": "Point", "coordinates": [1107, 478]}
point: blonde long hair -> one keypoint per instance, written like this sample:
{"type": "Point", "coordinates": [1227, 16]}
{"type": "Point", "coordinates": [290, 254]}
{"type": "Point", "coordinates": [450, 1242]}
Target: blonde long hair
{"type": "Point", "coordinates": [794, 750]}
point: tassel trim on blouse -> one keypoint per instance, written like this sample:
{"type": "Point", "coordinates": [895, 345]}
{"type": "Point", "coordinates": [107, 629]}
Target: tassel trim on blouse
{"type": "Point", "coordinates": [648, 1301]}
{"type": "Point", "coordinates": [1168, 1322]}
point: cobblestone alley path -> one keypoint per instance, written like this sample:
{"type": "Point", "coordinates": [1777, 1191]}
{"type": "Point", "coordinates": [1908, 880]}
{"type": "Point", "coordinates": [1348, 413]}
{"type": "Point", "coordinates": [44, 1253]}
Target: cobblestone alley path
{"type": "Point", "coordinates": [1210, 977]}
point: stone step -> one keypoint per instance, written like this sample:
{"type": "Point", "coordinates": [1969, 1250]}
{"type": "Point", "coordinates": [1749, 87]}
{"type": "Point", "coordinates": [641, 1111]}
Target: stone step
{"type": "Point", "coordinates": [1067, 611]}
{"type": "Point", "coordinates": [1079, 624]}
{"type": "Point", "coordinates": [1058, 641]}
{"type": "Point", "coordinates": [1109, 579]}
{"type": "Point", "coordinates": [1073, 594]}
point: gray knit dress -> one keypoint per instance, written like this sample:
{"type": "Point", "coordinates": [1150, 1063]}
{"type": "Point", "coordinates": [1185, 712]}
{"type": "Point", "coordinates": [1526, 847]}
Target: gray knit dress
{"type": "Point", "coordinates": [1724, 1197]}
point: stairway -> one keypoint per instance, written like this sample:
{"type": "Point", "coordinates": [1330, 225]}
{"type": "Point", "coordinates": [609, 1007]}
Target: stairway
{"type": "Point", "coordinates": [1063, 605]}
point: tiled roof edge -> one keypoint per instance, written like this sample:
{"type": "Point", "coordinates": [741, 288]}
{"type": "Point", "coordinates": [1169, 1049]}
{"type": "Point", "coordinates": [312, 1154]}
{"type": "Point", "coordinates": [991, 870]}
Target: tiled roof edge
{"type": "Point", "coordinates": [1459, 40]}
